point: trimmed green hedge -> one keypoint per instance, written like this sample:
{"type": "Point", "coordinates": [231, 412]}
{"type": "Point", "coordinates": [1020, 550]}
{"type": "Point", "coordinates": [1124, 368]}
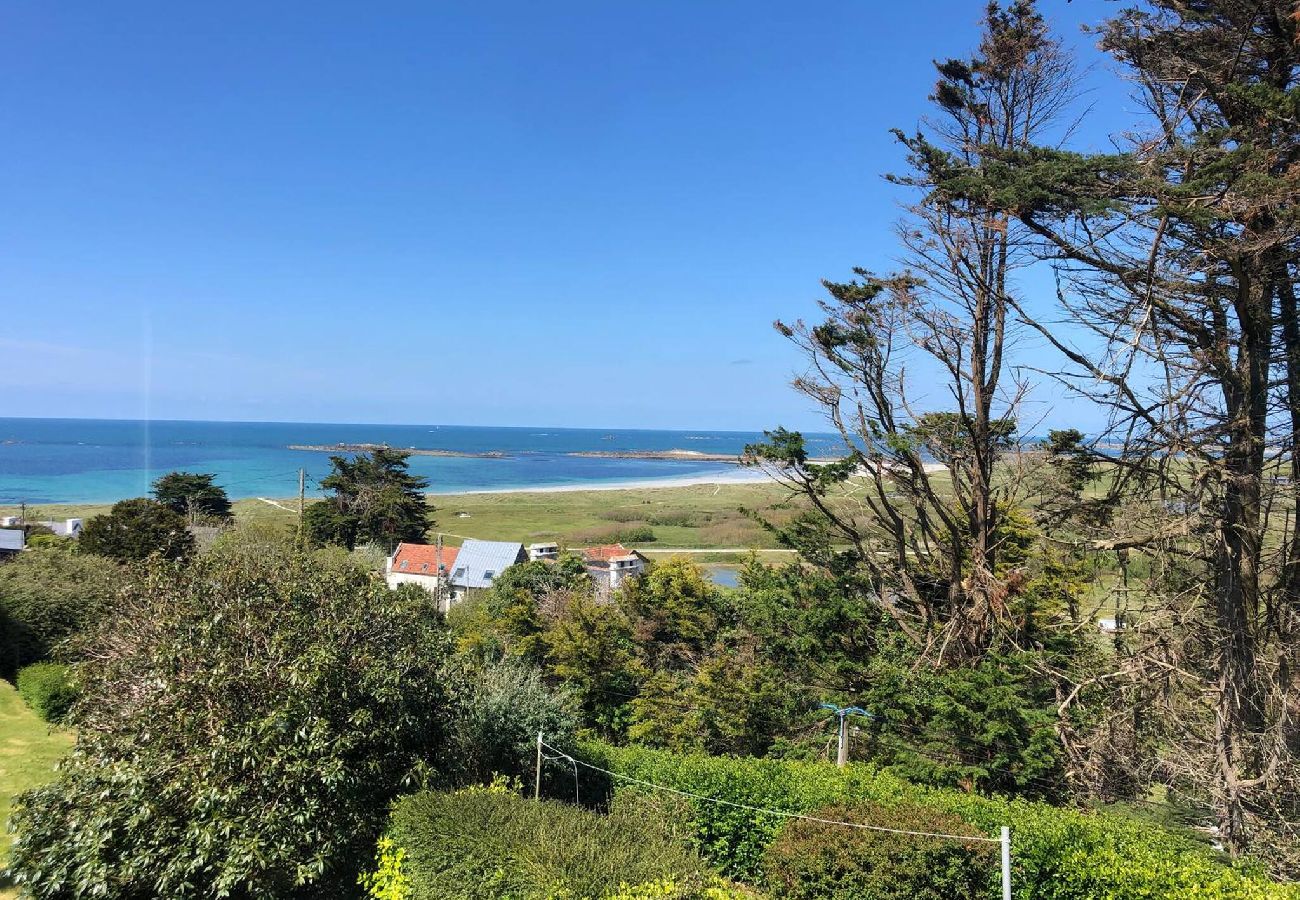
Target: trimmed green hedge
{"type": "Point", "coordinates": [48, 689]}
{"type": "Point", "coordinates": [490, 843]}
{"type": "Point", "coordinates": [815, 860]}
{"type": "Point", "coordinates": [1058, 854]}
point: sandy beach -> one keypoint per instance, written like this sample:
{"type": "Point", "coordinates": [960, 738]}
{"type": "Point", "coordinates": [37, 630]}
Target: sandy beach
{"type": "Point", "coordinates": [739, 476]}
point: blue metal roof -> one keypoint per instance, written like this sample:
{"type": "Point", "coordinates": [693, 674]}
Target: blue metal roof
{"type": "Point", "coordinates": [479, 562]}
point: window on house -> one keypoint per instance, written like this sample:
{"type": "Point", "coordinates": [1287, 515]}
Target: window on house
{"type": "Point", "coordinates": [403, 565]}
{"type": "Point", "coordinates": [460, 573]}
{"type": "Point", "coordinates": [487, 576]}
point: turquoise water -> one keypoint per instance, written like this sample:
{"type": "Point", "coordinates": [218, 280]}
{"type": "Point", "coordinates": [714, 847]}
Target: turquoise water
{"type": "Point", "coordinates": [100, 460]}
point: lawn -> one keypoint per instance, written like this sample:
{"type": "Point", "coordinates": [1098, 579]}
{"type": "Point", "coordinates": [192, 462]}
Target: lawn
{"type": "Point", "coordinates": [28, 751]}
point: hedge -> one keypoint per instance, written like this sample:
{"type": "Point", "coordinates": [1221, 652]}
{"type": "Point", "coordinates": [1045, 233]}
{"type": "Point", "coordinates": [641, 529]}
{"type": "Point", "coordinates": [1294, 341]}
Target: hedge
{"type": "Point", "coordinates": [814, 860]}
{"type": "Point", "coordinates": [1058, 853]}
{"type": "Point", "coordinates": [492, 843]}
{"type": "Point", "coordinates": [48, 689]}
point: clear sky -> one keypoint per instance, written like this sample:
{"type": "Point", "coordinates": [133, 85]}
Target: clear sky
{"type": "Point", "coordinates": [496, 213]}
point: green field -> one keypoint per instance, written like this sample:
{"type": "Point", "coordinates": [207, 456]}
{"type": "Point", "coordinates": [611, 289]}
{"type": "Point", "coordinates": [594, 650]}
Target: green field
{"type": "Point", "coordinates": [28, 750]}
{"type": "Point", "coordinates": [696, 517]}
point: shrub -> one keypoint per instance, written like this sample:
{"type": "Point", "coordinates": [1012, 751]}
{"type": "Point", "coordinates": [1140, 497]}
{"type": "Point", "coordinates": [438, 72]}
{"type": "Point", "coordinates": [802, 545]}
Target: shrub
{"type": "Point", "coordinates": [618, 514]}
{"type": "Point", "coordinates": [491, 843]}
{"type": "Point", "coordinates": [137, 529]}
{"type": "Point", "coordinates": [633, 532]}
{"type": "Point", "coordinates": [48, 689]}
{"type": "Point", "coordinates": [813, 860]}
{"type": "Point", "coordinates": [502, 707]}
{"type": "Point", "coordinates": [1061, 854]}
{"type": "Point", "coordinates": [48, 596]}
{"type": "Point", "coordinates": [680, 518]}
{"type": "Point", "coordinates": [246, 723]}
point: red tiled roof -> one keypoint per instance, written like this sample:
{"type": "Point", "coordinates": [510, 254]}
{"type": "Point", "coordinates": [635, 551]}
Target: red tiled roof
{"type": "Point", "coordinates": [605, 552]}
{"type": "Point", "coordinates": [423, 559]}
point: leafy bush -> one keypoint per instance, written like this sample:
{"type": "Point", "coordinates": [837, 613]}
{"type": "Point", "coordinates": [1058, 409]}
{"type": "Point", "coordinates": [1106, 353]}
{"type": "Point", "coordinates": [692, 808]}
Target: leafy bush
{"type": "Point", "coordinates": [491, 843]}
{"type": "Point", "coordinates": [622, 514]}
{"type": "Point", "coordinates": [136, 529]}
{"type": "Point", "coordinates": [48, 689]}
{"type": "Point", "coordinates": [632, 532]}
{"type": "Point", "coordinates": [680, 518]}
{"type": "Point", "coordinates": [246, 723]}
{"type": "Point", "coordinates": [502, 707]}
{"type": "Point", "coordinates": [49, 595]}
{"type": "Point", "coordinates": [1061, 854]}
{"type": "Point", "coordinates": [813, 860]}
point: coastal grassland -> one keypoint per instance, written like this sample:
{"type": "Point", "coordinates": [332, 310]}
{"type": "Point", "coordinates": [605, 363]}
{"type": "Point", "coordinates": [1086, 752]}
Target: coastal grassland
{"type": "Point", "coordinates": [29, 748]}
{"type": "Point", "coordinates": [704, 516]}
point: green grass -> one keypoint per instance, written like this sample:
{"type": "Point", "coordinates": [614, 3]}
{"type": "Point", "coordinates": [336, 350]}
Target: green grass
{"type": "Point", "coordinates": [698, 516]}
{"type": "Point", "coordinates": [29, 749]}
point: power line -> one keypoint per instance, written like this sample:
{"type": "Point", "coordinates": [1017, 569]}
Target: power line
{"type": "Point", "coordinates": [772, 812]}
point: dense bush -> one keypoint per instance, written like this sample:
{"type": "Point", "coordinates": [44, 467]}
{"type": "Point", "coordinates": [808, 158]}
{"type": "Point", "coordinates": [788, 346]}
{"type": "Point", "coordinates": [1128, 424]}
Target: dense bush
{"type": "Point", "coordinates": [482, 844]}
{"type": "Point", "coordinates": [49, 595]}
{"type": "Point", "coordinates": [814, 860]}
{"type": "Point", "coordinates": [137, 529]}
{"type": "Point", "coordinates": [1061, 854]}
{"type": "Point", "coordinates": [500, 710]}
{"type": "Point", "coordinates": [48, 689]}
{"type": "Point", "coordinates": [245, 724]}
{"type": "Point", "coordinates": [632, 532]}
{"type": "Point", "coordinates": [680, 518]}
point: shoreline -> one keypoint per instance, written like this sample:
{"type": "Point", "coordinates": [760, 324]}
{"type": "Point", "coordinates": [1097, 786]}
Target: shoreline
{"type": "Point", "coordinates": [721, 479]}
{"type": "Point", "coordinates": [749, 476]}
{"type": "Point", "coordinates": [732, 476]}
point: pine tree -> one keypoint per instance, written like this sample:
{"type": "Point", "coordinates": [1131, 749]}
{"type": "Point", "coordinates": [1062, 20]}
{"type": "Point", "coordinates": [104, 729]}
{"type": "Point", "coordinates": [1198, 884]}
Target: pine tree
{"type": "Point", "coordinates": [375, 499]}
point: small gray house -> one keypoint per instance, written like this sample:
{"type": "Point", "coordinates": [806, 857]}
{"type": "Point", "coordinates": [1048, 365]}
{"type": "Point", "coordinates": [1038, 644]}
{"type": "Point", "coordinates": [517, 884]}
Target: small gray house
{"type": "Point", "coordinates": [479, 562]}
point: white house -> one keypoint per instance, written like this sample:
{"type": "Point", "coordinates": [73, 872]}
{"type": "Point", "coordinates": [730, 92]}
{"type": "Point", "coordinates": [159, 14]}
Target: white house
{"type": "Point", "coordinates": [67, 528]}
{"type": "Point", "coordinates": [610, 565]}
{"type": "Point", "coordinates": [427, 565]}
{"type": "Point", "coordinates": [545, 550]}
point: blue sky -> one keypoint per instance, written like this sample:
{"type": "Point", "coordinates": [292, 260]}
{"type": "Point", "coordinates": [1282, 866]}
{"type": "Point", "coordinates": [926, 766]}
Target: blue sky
{"type": "Point", "coordinates": [500, 213]}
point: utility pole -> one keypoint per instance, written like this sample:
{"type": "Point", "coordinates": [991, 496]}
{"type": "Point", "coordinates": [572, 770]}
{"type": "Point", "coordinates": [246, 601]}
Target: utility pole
{"type": "Point", "coordinates": [302, 499]}
{"type": "Point", "coordinates": [843, 712]}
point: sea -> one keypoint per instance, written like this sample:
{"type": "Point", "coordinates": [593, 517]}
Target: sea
{"type": "Point", "coordinates": [101, 460]}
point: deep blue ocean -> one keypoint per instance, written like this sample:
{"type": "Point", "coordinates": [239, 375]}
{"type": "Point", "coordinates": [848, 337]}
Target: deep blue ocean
{"type": "Point", "coordinates": [100, 460]}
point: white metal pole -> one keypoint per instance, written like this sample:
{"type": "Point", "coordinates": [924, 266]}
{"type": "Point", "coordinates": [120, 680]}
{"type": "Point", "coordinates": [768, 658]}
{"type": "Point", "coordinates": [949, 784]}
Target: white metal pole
{"type": "Point", "coordinates": [1006, 863]}
{"type": "Point", "coordinates": [537, 782]}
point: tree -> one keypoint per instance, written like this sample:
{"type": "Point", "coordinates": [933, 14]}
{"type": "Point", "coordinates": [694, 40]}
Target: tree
{"type": "Point", "coordinates": [137, 529]}
{"type": "Point", "coordinates": [1178, 260]}
{"type": "Point", "coordinates": [375, 499]}
{"type": "Point", "coordinates": [48, 596]}
{"type": "Point", "coordinates": [589, 649]}
{"type": "Point", "coordinates": [924, 539]}
{"type": "Point", "coordinates": [192, 495]}
{"type": "Point", "coordinates": [244, 724]}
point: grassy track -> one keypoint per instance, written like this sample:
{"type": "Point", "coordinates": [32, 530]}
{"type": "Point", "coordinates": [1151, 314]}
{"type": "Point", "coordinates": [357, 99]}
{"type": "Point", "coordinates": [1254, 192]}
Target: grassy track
{"type": "Point", "coordinates": [28, 751]}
